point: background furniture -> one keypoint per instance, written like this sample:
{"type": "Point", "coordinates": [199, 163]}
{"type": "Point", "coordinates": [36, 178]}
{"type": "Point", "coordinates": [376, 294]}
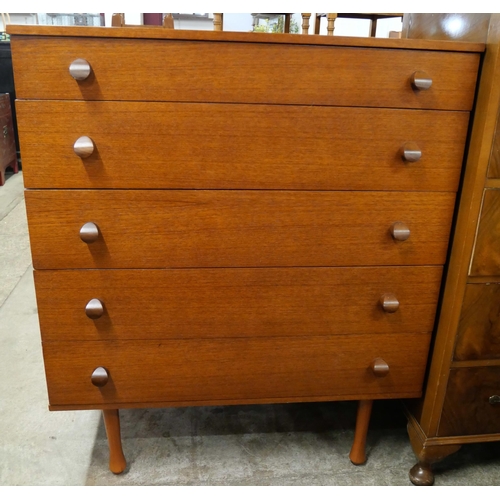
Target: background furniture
{"type": "Point", "coordinates": [289, 245]}
{"type": "Point", "coordinates": [461, 403]}
{"type": "Point", "coordinates": [372, 17]}
{"type": "Point", "coordinates": [8, 154]}
{"type": "Point", "coordinates": [7, 83]}
{"type": "Point", "coordinates": [118, 21]}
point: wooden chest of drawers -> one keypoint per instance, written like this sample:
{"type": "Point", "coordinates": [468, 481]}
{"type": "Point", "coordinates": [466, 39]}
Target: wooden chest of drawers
{"type": "Point", "coordinates": [237, 218]}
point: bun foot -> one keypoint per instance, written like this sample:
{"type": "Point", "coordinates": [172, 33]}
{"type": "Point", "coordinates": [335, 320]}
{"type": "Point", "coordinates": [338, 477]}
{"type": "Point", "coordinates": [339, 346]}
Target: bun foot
{"type": "Point", "coordinates": [421, 474]}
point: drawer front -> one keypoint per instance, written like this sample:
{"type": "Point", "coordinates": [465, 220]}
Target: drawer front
{"type": "Point", "coordinates": [478, 335]}
{"type": "Point", "coordinates": [235, 369]}
{"type": "Point", "coordinates": [467, 408]}
{"type": "Point", "coordinates": [198, 303]}
{"type": "Point", "coordinates": [486, 257]}
{"type": "Point", "coordinates": [219, 146]}
{"type": "Point", "coordinates": [187, 71]}
{"type": "Point", "coordinates": [157, 229]}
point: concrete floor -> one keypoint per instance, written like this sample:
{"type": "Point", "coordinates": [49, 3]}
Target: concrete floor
{"type": "Point", "coordinates": [296, 444]}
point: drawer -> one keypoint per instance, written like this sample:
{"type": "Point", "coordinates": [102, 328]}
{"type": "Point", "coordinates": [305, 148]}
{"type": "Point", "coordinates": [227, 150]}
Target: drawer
{"type": "Point", "coordinates": [197, 303]}
{"type": "Point", "coordinates": [234, 72]}
{"type": "Point", "coordinates": [265, 369]}
{"type": "Point", "coordinates": [478, 335]}
{"type": "Point", "coordinates": [157, 229]}
{"type": "Point", "coordinates": [171, 145]}
{"type": "Point", "coordinates": [486, 256]}
{"type": "Point", "coordinates": [467, 408]}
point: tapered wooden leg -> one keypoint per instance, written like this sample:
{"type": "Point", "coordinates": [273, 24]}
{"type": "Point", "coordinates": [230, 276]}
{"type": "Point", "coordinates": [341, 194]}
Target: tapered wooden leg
{"type": "Point", "coordinates": [117, 461]}
{"type": "Point", "coordinates": [358, 450]}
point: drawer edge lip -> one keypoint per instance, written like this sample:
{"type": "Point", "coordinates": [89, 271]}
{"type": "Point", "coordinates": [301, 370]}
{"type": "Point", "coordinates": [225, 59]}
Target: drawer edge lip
{"type": "Point", "coordinates": [439, 109]}
{"type": "Point", "coordinates": [232, 402]}
{"type": "Point", "coordinates": [462, 439]}
{"type": "Point", "coordinates": [229, 36]}
{"type": "Point", "coordinates": [464, 364]}
{"type": "Point", "coordinates": [228, 338]}
{"type": "Point", "coordinates": [433, 441]}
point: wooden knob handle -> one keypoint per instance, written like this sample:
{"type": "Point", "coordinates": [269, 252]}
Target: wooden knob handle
{"type": "Point", "coordinates": [94, 309]}
{"type": "Point", "coordinates": [79, 69]}
{"type": "Point", "coordinates": [89, 232]}
{"type": "Point", "coordinates": [411, 152]}
{"type": "Point", "coordinates": [99, 376]}
{"type": "Point", "coordinates": [379, 367]}
{"type": "Point", "coordinates": [389, 302]}
{"type": "Point", "coordinates": [83, 147]}
{"type": "Point", "coordinates": [420, 80]}
{"type": "Point", "coordinates": [400, 231]}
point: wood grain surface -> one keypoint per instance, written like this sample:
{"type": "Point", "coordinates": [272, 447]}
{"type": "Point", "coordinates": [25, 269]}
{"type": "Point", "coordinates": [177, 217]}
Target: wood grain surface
{"type": "Point", "coordinates": [428, 410]}
{"type": "Point", "coordinates": [225, 369]}
{"type": "Point", "coordinates": [463, 27]}
{"type": "Point", "coordinates": [486, 257]}
{"type": "Point", "coordinates": [145, 32]}
{"type": "Point", "coordinates": [466, 408]}
{"type": "Point", "coordinates": [494, 167]}
{"type": "Point", "coordinates": [157, 229]}
{"type": "Point", "coordinates": [169, 145]}
{"type": "Point", "coordinates": [191, 71]}
{"type": "Point", "coordinates": [478, 335]}
{"type": "Point", "coordinates": [198, 303]}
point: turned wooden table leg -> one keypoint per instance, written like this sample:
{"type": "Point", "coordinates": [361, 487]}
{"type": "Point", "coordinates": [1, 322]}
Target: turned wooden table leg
{"type": "Point", "coordinates": [117, 461]}
{"type": "Point", "coordinates": [358, 450]}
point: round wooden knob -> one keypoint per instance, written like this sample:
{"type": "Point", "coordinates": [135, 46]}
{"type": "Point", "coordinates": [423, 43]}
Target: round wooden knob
{"type": "Point", "coordinates": [89, 232]}
{"type": "Point", "coordinates": [99, 376]}
{"type": "Point", "coordinates": [94, 309]}
{"type": "Point", "coordinates": [400, 231]}
{"type": "Point", "coordinates": [83, 147]}
{"type": "Point", "coordinates": [379, 367]}
{"type": "Point", "coordinates": [389, 302]}
{"type": "Point", "coordinates": [420, 80]}
{"type": "Point", "coordinates": [411, 152]}
{"type": "Point", "coordinates": [79, 69]}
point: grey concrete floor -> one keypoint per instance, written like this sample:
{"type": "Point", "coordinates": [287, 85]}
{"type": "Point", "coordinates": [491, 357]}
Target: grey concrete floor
{"type": "Point", "coordinates": [295, 444]}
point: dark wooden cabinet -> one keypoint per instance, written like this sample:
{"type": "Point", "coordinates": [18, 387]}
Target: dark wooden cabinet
{"type": "Point", "coordinates": [461, 403]}
{"type": "Point", "coordinates": [7, 84]}
{"type": "Point", "coordinates": [8, 154]}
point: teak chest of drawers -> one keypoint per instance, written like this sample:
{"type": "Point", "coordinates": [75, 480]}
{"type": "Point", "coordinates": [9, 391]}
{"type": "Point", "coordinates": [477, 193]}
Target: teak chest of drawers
{"type": "Point", "coordinates": [228, 218]}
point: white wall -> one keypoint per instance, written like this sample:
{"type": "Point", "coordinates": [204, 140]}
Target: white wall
{"type": "Point", "coordinates": [237, 22]}
{"type": "Point", "coordinates": [19, 19]}
{"type": "Point", "coordinates": [130, 18]}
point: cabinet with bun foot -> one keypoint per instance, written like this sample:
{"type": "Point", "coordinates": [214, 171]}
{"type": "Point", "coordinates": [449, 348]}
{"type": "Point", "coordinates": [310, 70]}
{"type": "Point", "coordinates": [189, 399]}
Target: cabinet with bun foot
{"type": "Point", "coordinates": [461, 401]}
